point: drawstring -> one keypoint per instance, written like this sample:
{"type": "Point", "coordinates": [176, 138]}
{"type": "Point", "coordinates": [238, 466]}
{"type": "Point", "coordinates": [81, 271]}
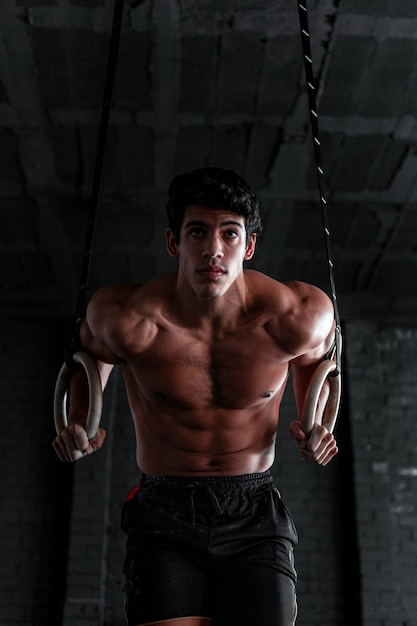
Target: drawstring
{"type": "Point", "coordinates": [194, 487]}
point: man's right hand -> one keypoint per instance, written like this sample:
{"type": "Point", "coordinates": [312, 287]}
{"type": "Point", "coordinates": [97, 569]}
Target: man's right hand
{"type": "Point", "coordinates": [73, 444]}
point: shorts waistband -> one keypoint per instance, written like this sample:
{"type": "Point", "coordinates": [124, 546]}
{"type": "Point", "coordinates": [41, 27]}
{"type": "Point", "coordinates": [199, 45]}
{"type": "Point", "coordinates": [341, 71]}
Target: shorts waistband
{"type": "Point", "coordinates": [224, 483]}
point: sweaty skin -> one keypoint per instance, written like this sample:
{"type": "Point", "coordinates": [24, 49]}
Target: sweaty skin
{"type": "Point", "coordinates": [206, 353]}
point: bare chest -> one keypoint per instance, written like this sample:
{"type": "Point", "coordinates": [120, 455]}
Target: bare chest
{"type": "Point", "coordinates": [235, 370]}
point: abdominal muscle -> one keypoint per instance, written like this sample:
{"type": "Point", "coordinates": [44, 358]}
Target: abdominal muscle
{"type": "Point", "coordinates": [206, 409]}
{"type": "Point", "coordinates": [210, 441]}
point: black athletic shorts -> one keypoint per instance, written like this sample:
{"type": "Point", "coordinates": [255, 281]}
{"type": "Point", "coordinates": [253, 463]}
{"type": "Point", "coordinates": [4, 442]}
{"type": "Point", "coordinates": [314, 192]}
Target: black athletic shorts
{"type": "Point", "coordinates": [215, 547]}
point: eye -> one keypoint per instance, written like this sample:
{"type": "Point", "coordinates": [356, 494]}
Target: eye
{"type": "Point", "coordinates": [231, 234]}
{"type": "Point", "coordinates": [196, 232]}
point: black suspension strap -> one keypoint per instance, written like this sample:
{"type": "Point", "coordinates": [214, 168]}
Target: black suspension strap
{"type": "Point", "coordinates": [311, 91]}
{"type": "Point", "coordinates": [74, 355]}
{"type": "Point", "coordinates": [73, 341]}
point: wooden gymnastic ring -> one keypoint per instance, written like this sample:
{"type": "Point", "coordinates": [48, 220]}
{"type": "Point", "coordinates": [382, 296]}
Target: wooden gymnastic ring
{"type": "Point", "coordinates": [312, 397]}
{"type": "Point", "coordinates": [95, 401]}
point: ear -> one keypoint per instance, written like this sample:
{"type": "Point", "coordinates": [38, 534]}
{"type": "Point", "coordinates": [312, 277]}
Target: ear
{"type": "Point", "coordinates": [250, 248]}
{"type": "Point", "coordinates": [171, 242]}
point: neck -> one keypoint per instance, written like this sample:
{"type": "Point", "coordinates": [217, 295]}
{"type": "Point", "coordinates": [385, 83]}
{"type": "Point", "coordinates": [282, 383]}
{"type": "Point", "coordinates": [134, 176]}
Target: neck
{"type": "Point", "coordinates": [218, 311]}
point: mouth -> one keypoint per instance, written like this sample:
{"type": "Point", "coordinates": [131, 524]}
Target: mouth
{"type": "Point", "coordinates": [211, 272]}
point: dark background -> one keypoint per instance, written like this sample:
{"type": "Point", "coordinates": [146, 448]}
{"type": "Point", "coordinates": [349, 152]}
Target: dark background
{"type": "Point", "coordinates": [209, 82]}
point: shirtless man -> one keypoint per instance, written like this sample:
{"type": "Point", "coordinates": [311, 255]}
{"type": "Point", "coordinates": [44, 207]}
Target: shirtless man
{"type": "Point", "coordinates": [206, 352]}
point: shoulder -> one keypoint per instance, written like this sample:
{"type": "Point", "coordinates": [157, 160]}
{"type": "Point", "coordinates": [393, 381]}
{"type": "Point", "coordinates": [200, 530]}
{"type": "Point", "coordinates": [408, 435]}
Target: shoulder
{"type": "Point", "coordinates": [106, 322]}
{"type": "Point", "coordinates": [310, 316]}
{"type": "Point", "coordinates": [125, 317]}
{"type": "Point", "coordinates": [300, 315]}
{"type": "Point", "coordinates": [114, 295]}
{"type": "Point", "coordinates": [111, 303]}
{"type": "Point", "coordinates": [132, 299]}
{"type": "Point", "coordinates": [304, 298]}
{"type": "Point", "coordinates": [292, 297]}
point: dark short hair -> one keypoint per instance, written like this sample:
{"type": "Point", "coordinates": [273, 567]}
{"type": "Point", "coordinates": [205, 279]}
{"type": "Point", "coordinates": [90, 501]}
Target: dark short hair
{"type": "Point", "coordinates": [215, 188]}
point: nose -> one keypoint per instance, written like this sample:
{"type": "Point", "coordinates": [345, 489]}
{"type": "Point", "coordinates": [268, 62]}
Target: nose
{"type": "Point", "coordinates": [214, 246]}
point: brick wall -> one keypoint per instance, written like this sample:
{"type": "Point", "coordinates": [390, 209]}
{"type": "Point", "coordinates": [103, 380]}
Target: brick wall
{"type": "Point", "coordinates": [356, 518]}
{"type": "Point", "coordinates": [383, 400]}
{"type": "Point", "coordinates": [314, 496]}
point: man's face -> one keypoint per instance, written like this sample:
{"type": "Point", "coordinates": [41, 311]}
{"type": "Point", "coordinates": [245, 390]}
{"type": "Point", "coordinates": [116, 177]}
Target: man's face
{"type": "Point", "coordinates": [211, 249]}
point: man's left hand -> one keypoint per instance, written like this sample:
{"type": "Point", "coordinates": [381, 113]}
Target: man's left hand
{"type": "Point", "coordinates": [319, 446]}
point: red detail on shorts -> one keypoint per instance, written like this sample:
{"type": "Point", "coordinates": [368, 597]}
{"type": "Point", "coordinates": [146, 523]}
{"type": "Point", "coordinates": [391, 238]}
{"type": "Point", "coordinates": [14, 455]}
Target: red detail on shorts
{"type": "Point", "coordinates": [132, 493]}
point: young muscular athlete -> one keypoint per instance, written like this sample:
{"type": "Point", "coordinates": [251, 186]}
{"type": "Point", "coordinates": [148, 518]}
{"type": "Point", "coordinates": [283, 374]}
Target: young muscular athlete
{"type": "Point", "coordinates": [206, 352]}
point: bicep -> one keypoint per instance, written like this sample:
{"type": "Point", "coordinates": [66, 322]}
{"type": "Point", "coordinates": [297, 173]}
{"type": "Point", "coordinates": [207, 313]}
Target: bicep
{"type": "Point", "coordinates": [314, 329]}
